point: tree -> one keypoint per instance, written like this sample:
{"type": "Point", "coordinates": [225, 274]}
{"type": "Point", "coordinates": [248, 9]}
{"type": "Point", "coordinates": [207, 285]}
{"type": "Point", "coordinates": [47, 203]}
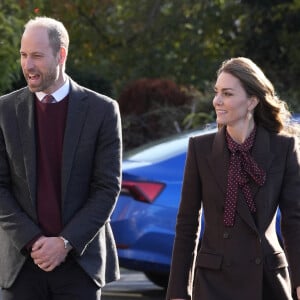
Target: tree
{"type": "Point", "coordinates": [119, 41]}
{"type": "Point", "coordinates": [125, 40]}
{"type": "Point", "coordinates": [270, 35]}
{"type": "Point", "coordinates": [152, 109]}
{"type": "Point", "coordinates": [10, 29]}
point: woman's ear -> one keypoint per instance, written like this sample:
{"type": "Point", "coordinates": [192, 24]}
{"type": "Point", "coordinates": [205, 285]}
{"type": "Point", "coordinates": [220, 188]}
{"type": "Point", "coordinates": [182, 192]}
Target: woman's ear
{"type": "Point", "coordinates": [253, 102]}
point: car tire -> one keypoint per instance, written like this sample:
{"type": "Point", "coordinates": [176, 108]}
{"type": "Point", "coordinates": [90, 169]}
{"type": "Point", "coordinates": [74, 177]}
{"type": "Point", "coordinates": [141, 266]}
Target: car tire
{"type": "Point", "coordinates": [160, 279]}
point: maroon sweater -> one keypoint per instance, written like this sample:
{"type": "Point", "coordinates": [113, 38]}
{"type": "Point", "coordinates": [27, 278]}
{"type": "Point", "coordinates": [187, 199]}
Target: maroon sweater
{"type": "Point", "coordinates": [50, 125]}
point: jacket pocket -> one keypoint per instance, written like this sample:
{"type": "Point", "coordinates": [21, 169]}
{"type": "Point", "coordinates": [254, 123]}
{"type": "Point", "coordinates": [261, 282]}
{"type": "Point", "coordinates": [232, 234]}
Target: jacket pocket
{"type": "Point", "coordinates": [209, 261]}
{"type": "Point", "coordinates": [276, 261]}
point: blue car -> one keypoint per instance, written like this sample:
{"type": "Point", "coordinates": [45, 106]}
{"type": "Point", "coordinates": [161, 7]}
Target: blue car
{"type": "Point", "coordinates": [144, 219]}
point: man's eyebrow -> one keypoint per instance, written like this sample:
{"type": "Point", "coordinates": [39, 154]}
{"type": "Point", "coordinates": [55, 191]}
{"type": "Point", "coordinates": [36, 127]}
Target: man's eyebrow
{"type": "Point", "coordinates": [32, 53]}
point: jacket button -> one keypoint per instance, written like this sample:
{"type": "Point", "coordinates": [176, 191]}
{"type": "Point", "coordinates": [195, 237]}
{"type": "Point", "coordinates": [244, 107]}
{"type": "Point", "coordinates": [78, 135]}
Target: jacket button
{"type": "Point", "coordinates": [257, 261]}
{"type": "Point", "coordinates": [226, 235]}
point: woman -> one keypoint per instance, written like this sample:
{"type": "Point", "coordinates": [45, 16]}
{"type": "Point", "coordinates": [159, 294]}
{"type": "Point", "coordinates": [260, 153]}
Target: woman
{"type": "Point", "coordinates": [240, 176]}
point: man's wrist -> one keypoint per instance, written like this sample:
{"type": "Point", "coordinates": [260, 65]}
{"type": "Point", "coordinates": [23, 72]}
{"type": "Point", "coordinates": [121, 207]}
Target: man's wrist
{"type": "Point", "coordinates": [67, 244]}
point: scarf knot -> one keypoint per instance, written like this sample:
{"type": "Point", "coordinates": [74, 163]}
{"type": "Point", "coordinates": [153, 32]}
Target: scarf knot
{"type": "Point", "coordinates": [242, 169]}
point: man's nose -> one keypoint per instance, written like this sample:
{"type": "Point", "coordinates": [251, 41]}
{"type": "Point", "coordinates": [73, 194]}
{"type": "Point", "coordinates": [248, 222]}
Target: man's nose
{"type": "Point", "coordinates": [28, 63]}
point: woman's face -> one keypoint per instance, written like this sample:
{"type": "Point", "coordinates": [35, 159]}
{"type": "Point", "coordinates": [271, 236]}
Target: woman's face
{"type": "Point", "coordinates": [231, 103]}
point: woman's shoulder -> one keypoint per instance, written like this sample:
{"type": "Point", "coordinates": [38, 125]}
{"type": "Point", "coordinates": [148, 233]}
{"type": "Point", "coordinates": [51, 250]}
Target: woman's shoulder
{"type": "Point", "coordinates": [204, 142]}
{"type": "Point", "coordinates": [207, 137]}
{"type": "Point", "coordinates": [281, 141]}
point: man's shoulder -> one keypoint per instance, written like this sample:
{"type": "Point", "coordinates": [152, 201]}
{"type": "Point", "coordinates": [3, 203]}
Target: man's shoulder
{"type": "Point", "coordinates": [10, 99]}
{"type": "Point", "coordinates": [89, 94]}
{"type": "Point", "coordinates": [14, 94]}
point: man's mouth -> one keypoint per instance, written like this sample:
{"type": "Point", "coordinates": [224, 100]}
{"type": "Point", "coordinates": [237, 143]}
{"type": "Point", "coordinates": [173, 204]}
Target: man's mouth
{"type": "Point", "coordinates": [33, 77]}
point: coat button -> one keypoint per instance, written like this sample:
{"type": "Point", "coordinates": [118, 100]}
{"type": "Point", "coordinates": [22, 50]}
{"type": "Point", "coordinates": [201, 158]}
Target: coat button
{"type": "Point", "coordinates": [226, 235]}
{"type": "Point", "coordinates": [258, 261]}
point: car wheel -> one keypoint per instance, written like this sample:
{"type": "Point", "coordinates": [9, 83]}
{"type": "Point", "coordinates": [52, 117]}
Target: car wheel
{"type": "Point", "coordinates": [160, 279]}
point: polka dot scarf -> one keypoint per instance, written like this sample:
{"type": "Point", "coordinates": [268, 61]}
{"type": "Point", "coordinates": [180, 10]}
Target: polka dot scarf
{"type": "Point", "coordinates": [242, 167]}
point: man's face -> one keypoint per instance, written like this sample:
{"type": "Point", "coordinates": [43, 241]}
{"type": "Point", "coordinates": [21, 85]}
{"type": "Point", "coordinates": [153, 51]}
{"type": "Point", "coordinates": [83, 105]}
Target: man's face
{"type": "Point", "coordinates": [41, 67]}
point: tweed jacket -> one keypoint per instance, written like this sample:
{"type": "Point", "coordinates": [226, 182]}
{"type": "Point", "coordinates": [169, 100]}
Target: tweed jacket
{"type": "Point", "coordinates": [90, 175]}
{"type": "Point", "coordinates": [231, 262]}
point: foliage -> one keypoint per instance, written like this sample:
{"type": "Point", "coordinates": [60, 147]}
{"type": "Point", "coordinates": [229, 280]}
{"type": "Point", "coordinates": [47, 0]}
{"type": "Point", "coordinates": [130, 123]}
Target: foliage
{"type": "Point", "coordinates": [271, 37]}
{"type": "Point", "coordinates": [201, 112]}
{"type": "Point", "coordinates": [10, 29]}
{"type": "Point", "coordinates": [152, 109]}
{"type": "Point", "coordinates": [128, 40]}
{"type": "Point", "coordinates": [115, 42]}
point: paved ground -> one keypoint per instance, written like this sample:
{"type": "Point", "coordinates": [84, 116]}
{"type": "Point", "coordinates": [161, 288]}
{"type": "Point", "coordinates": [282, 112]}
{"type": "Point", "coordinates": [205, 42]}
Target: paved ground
{"type": "Point", "coordinates": [132, 286]}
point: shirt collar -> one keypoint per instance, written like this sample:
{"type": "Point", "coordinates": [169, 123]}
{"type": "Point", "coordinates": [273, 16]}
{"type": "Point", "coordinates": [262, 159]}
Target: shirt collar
{"type": "Point", "coordinates": [59, 94]}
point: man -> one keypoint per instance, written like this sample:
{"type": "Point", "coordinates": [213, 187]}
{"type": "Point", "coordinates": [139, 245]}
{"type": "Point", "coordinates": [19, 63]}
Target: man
{"type": "Point", "coordinates": [59, 177]}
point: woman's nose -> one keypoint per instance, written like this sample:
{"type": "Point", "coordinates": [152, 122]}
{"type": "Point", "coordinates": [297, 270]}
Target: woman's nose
{"type": "Point", "coordinates": [217, 100]}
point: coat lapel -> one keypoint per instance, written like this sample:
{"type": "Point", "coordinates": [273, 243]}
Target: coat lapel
{"type": "Point", "coordinates": [77, 109]}
{"type": "Point", "coordinates": [264, 157]}
{"type": "Point", "coordinates": [219, 160]}
{"type": "Point", "coordinates": [25, 117]}
{"type": "Point", "coordinates": [261, 152]}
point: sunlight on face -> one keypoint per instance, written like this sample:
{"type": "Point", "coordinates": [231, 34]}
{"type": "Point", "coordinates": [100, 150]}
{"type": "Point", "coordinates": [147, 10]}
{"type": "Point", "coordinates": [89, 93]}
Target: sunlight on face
{"type": "Point", "coordinates": [231, 102]}
{"type": "Point", "coordinates": [39, 64]}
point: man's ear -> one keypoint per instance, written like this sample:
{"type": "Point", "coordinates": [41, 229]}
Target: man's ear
{"type": "Point", "coordinates": [62, 55]}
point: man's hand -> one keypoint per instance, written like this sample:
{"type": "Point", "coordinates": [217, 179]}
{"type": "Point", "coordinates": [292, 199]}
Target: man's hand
{"type": "Point", "coordinates": [48, 253]}
{"type": "Point", "coordinates": [298, 292]}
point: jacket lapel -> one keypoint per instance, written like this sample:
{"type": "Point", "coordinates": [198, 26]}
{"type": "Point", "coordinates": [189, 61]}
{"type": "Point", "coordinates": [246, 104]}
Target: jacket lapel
{"type": "Point", "coordinates": [219, 160]}
{"type": "Point", "coordinates": [77, 109]}
{"type": "Point", "coordinates": [25, 117]}
{"type": "Point", "coordinates": [264, 157]}
{"type": "Point", "coordinates": [261, 152]}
